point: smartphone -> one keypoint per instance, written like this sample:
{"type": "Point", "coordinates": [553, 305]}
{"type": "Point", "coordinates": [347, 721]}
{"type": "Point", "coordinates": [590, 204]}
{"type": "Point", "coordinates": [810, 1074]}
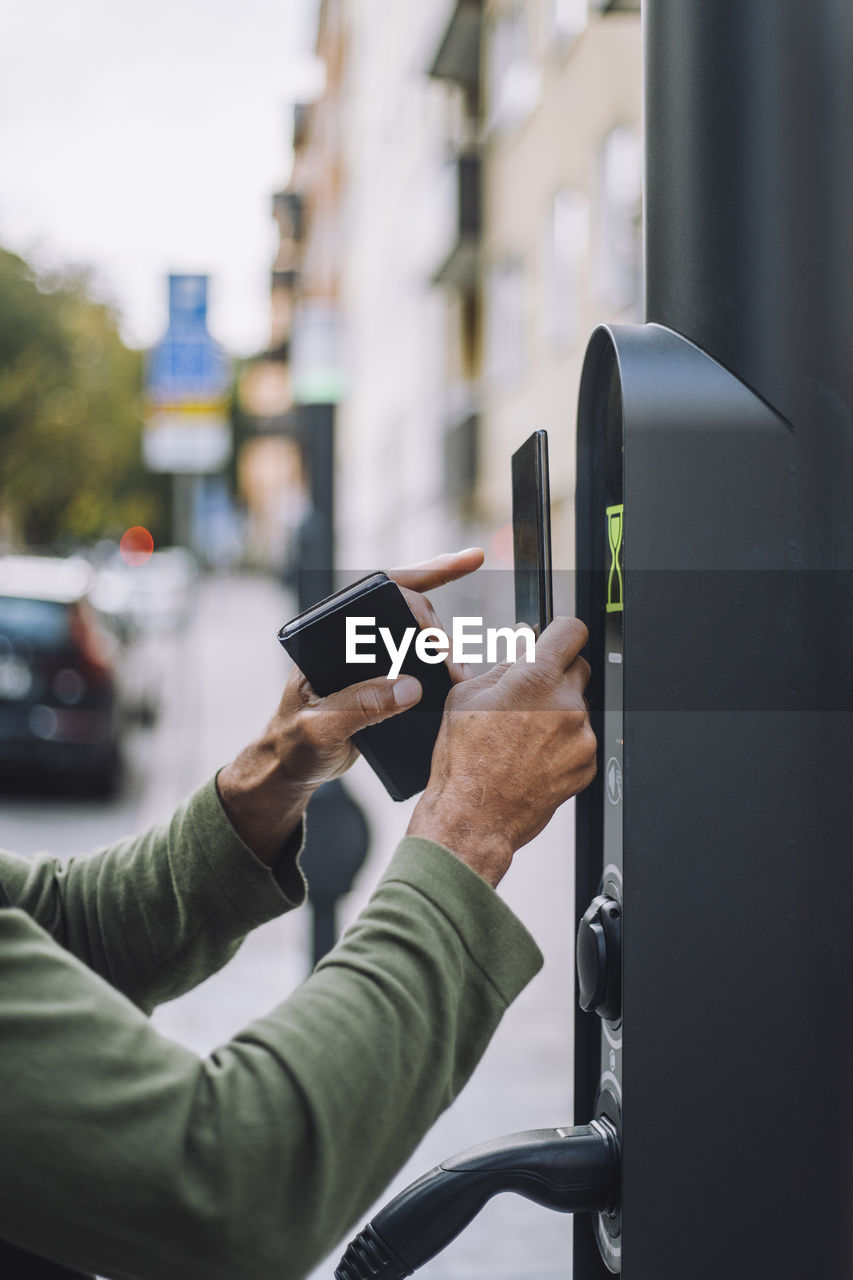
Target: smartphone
{"type": "Point", "coordinates": [399, 750]}
{"type": "Point", "coordinates": [531, 533]}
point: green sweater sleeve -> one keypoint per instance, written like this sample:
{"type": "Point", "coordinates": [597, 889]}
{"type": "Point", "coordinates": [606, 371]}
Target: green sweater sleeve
{"type": "Point", "coordinates": [156, 914]}
{"type": "Point", "coordinates": [126, 1155]}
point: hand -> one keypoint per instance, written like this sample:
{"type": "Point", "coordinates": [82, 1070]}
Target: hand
{"type": "Point", "coordinates": [308, 741]}
{"type": "Point", "coordinates": [514, 744]}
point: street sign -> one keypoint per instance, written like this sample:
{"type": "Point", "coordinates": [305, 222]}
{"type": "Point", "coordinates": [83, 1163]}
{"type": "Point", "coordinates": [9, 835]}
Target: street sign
{"type": "Point", "coordinates": [186, 444]}
{"type": "Point", "coordinates": [187, 368]}
{"type": "Point", "coordinates": [187, 381]}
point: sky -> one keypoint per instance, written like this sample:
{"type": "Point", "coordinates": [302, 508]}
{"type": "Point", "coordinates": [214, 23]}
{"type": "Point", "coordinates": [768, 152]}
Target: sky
{"type": "Point", "coordinates": [139, 137]}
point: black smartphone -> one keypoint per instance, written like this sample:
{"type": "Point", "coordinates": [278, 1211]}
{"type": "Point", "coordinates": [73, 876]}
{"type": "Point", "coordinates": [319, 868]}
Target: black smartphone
{"type": "Point", "coordinates": [399, 750]}
{"type": "Point", "coordinates": [531, 533]}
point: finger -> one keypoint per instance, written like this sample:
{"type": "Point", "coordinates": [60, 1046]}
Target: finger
{"type": "Point", "coordinates": [487, 678]}
{"type": "Point", "coordinates": [298, 690]}
{"type": "Point", "coordinates": [421, 607]}
{"type": "Point", "coordinates": [578, 674]}
{"type": "Point", "coordinates": [427, 619]}
{"type": "Point", "coordinates": [561, 642]}
{"type": "Point", "coordinates": [517, 669]}
{"type": "Point", "coordinates": [368, 702]}
{"type": "Point", "coordinates": [438, 571]}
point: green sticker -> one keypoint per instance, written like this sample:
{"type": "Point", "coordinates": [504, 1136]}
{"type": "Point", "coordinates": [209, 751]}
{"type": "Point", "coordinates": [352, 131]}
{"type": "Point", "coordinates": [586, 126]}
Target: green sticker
{"type": "Point", "coordinates": [614, 539]}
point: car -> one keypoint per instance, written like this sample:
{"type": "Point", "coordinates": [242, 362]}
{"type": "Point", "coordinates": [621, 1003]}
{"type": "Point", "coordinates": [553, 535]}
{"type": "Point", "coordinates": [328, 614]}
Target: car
{"type": "Point", "coordinates": [155, 597]}
{"type": "Point", "coordinates": [60, 699]}
{"type": "Point", "coordinates": [141, 656]}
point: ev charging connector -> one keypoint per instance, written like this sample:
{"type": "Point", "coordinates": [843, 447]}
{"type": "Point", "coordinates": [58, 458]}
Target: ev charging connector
{"type": "Point", "coordinates": [572, 1170]}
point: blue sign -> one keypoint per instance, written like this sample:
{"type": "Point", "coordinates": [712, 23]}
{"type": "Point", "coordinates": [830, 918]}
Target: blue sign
{"type": "Point", "coordinates": [188, 366]}
{"type": "Point", "coordinates": [188, 302]}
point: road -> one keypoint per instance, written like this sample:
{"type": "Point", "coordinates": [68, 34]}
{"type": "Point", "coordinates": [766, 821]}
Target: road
{"type": "Point", "coordinates": [222, 677]}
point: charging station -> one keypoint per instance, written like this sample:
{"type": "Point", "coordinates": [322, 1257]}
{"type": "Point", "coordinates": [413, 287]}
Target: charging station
{"type": "Point", "coordinates": [715, 548]}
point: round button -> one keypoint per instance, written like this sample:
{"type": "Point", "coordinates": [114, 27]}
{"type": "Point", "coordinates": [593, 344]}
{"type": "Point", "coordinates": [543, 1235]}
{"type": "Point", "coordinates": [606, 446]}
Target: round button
{"type": "Point", "coordinates": [599, 958]}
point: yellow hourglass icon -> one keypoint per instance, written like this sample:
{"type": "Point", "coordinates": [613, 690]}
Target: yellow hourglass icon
{"type": "Point", "coordinates": [614, 578]}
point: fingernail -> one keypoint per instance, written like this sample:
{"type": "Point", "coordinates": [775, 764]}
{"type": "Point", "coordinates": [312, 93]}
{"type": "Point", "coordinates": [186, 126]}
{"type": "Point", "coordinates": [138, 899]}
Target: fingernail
{"type": "Point", "coordinates": [406, 691]}
{"type": "Point", "coordinates": [465, 550]}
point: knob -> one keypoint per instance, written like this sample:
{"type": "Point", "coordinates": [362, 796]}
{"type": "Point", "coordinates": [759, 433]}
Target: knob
{"type": "Point", "coordinates": [599, 958]}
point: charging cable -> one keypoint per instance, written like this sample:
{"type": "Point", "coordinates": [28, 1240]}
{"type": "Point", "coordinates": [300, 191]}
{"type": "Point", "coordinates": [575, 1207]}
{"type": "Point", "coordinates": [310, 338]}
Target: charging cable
{"type": "Point", "coordinates": [572, 1170]}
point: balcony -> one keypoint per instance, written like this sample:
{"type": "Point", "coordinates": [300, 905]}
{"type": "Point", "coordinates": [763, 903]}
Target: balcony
{"type": "Point", "coordinates": [458, 56]}
{"type": "Point", "coordinates": [288, 211]}
{"type": "Point", "coordinates": [275, 424]}
{"type": "Point", "coordinates": [284, 279]}
{"type": "Point", "coordinates": [461, 265]}
{"type": "Point", "coordinates": [301, 122]}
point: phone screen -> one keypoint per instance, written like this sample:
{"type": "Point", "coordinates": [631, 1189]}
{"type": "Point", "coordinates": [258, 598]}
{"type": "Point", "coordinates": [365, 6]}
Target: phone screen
{"type": "Point", "coordinates": [531, 533]}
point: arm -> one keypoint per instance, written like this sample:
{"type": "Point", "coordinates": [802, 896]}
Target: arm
{"type": "Point", "coordinates": [157, 914]}
{"type": "Point", "coordinates": [126, 1155]}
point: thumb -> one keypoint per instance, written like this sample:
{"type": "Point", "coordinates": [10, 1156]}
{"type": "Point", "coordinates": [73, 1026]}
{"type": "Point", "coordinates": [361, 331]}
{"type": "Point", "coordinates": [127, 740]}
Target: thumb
{"type": "Point", "coordinates": [359, 705]}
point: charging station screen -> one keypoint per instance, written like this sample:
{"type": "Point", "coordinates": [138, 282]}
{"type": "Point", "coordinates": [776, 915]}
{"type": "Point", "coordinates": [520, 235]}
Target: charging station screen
{"type": "Point", "coordinates": [609, 533]}
{"type": "Point", "coordinates": [613, 532]}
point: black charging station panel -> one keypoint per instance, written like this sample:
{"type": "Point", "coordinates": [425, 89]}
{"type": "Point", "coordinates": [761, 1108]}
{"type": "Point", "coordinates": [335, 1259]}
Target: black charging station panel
{"type": "Point", "coordinates": [710, 711]}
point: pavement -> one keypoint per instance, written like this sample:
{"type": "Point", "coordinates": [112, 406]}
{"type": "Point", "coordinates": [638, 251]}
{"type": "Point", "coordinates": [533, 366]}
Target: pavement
{"type": "Point", "coordinates": [222, 680]}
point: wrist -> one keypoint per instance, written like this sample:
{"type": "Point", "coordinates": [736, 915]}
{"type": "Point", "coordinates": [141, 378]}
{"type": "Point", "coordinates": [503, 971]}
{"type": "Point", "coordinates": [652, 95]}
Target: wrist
{"type": "Point", "coordinates": [444, 819]}
{"type": "Point", "coordinates": [262, 801]}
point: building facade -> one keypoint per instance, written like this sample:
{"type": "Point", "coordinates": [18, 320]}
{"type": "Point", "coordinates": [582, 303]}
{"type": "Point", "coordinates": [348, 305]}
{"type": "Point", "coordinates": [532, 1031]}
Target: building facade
{"type": "Point", "coordinates": [465, 207]}
{"type": "Point", "coordinates": [562, 229]}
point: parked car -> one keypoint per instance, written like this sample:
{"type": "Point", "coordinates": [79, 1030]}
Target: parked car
{"type": "Point", "coordinates": [166, 589]}
{"type": "Point", "coordinates": [140, 659]}
{"type": "Point", "coordinates": [60, 703]}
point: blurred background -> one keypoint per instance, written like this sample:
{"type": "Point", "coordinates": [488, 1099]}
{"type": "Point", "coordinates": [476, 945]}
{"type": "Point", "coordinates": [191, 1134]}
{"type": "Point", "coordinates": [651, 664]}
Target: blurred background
{"type": "Point", "coordinates": [282, 287]}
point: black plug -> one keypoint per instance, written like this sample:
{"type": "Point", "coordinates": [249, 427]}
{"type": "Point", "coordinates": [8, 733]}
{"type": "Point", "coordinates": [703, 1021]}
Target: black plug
{"type": "Point", "coordinates": [572, 1170]}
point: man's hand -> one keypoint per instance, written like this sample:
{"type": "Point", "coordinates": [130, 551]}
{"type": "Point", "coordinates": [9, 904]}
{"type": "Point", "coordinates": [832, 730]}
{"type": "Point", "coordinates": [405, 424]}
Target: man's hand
{"type": "Point", "coordinates": [514, 744]}
{"type": "Point", "coordinates": [308, 741]}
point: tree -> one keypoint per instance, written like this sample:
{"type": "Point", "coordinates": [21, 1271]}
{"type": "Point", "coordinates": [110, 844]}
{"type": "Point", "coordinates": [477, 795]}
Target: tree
{"type": "Point", "coordinates": [70, 421]}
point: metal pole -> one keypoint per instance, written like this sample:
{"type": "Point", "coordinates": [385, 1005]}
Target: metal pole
{"type": "Point", "coordinates": [749, 191]}
{"type": "Point", "coordinates": [317, 554]}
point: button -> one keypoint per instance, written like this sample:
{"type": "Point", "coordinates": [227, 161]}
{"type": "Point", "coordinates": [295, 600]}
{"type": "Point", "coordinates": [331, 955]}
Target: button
{"type": "Point", "coordinates": [599, 958]}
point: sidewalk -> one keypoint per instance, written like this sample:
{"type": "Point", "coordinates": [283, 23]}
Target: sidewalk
{"type": "Point", "coordinates": [221, 688]}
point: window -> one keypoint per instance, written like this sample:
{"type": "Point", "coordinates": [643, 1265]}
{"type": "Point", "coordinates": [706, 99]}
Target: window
{"type": "Point", "coordinates": [505, 322]}
{"type": "Point", "coordinates": [36, 625]}
{"type": "Point", "coordinates": [514, 84]}
{"type": "Point", "coordinates": [567, 246]}
{"type": "Point", "coordinates": [619, 230]}
{"type": "Point", "coordinates": [568, 18]}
